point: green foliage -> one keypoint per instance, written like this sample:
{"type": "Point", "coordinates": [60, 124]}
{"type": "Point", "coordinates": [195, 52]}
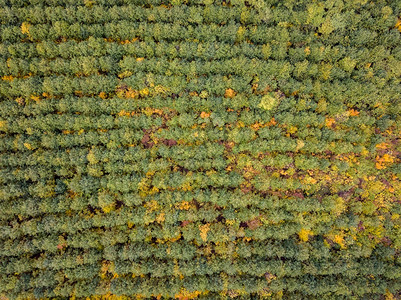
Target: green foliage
{"type": "Point", "coordinates": [200, 149]}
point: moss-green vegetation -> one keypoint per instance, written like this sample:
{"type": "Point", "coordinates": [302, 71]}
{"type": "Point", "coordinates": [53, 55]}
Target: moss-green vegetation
{"type": "Point", "coordinates": [200, 149]}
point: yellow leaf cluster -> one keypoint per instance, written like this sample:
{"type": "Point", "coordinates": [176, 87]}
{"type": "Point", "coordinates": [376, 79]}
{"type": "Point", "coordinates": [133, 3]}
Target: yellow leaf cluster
{"type": "Point", "coordinates": [108, 296]}
{"type": "Point", "coordinates": [353, 112]}
{"type": "Point", "coordinates": [336, 237]}
{"type": "Point", "coordinates": [20, 101]}
{"type": "Point", "coordinates": [186, 295]}
{"type": "Point", "coordinates": [383, 145]}
{"type": "Point", "coordinates": [152, 205]}
{"type": "Point", "coordinates": [330, 122]}
{"type": "Point", "coordinates": [269, 277]}
{"type": "Point", "coordinates": [103, 95]}
{"type": "Point", "coordinates": [28, 146]}
{"type": "Point", "coordinates": [35, 98]}
{"type": "Point", "coordinates": [240, 124]}
{"type": "Point", "coordinates": [161, 90]}
{"type": "Point", "coordinates": [104, 269]}
{"type": "Point", "coordinates": [107, 209]}
{"type": "Point", "coordinates": [340, 206]}
{"type": "Point", "coordinates": [25, 28]}
{"type": "Point", "coordinates": [309, 180]}
{"type": "Point", "coordinates": [204, 229]}
{"type": "Point", "coordinates": [230, 222]}
{"type": "Point", "coordinates": [300, 144]}
{"type": "Point", "coordinates": [125, 74]}
{"type": "Point", "coordinates": [388, 295]}
{"type": "Point", "coordinates": [304, 234]}
{"type": "Point", "coordinates": [7, 78]}
{"type": "Point", "coordinates": [176, 238]}
{"type": "Point", "coordinates": [241, 33]}
{"type": "Point", "coordinates": [131, 93]}
{"type": "Point", "coordinates": [268, 102]}
{"type": "Point", "coordinates": [124, 42]}
{"type": "Point", "coordinates": [339, 239]}
{"type": "Point", "coordinates": [3, 125]}
{"type": "Point", "coordinates": [150, 111]}
{"type": "Point", "coordinates": [184, 205]}
{"type": "Point", "coordinates": [144, 92]}
{"type": "Point", "coordinates": [398, 25]}
{"type": "Point", "coordinates": [161, 217]}
{"type": "Point", "coordinates": [186, 187]}
{"type": "Point", "coordinates": [91, 156]}
{"type": "Point", "coordinates": [384, 161]}
{"type": "Point", "coordinates": [89, 3]}
{"type": "Point", "coordinates": [144, 186]}
{"type": "Point", "coordinates": [364, 151]}
{"type": "Point", "coordinates": [292, 129]}
{"type": "Point", "coordinates": [124, 113]}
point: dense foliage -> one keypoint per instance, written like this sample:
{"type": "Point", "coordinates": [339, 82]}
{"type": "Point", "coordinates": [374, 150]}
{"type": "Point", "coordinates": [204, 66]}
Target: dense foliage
{"type": "Point", "coordinates": [200, 149]}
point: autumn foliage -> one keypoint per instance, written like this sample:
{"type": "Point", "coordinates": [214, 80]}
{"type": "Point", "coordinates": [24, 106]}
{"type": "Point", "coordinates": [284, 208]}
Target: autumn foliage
{"type": "Point", "coordinates": [200, 149]}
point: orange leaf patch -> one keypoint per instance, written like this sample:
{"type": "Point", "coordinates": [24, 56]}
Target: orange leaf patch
{"type": "Point", "coordinates": [230, 93]}
{"type": "Point", "coordinates": [204, 115]}
{"type": "Point", "coordinates": [330, 122]}
{"type": "Point", "coordinates": [353, 112]}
